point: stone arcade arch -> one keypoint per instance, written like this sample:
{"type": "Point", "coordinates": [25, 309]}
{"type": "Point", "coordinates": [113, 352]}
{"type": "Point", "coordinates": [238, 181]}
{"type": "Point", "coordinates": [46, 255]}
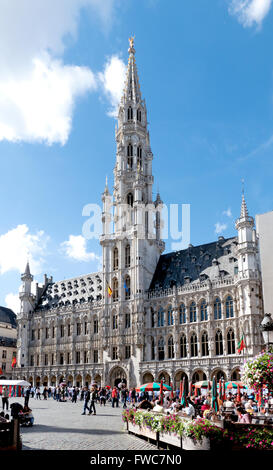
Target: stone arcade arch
{"type": "Point", "coordinates": [97, 379]}
{"type": "Point", "coordinates": [218, 374]}
{"type": "Point", "coordinates": [147, 378]}
{"type": "Point", "coordinates": [117, 375]}
{"type": "Point", "coordinates": [87, 380]}
{"type": "Point", "coordinates": [198, 375]}
{"type": "Point", "coordinates": [179, 377]}
{"type": "Point", "coordinates": [235, 374]}
{"type": "Point", "coordinates": [45, 381]}
{"type": "Point", "coordinates": [30, 379]}
{"type": "Point", "coordinates": [163, 375]}
{"type": "Point", "coordinates": [53, 380]}
{"type": "Point", "coordinates": [38, 381]}
{"type": "Point", "coordinates": [78, 380]}
{"type": "Point", "coordinates": [69, 380]}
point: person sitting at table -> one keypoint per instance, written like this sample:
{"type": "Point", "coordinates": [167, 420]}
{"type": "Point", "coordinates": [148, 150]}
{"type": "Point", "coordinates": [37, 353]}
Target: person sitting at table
{"type": "Point", "coordinates": [145, 405]}
{"type": "Point", "coordinates": [251, 407]}
{"type": "Point", "coordinates": [243, 416]}
{"type": "Point", "coordinates": [158, 407]}
{"type": "Point", "coordinates": [229, 404]}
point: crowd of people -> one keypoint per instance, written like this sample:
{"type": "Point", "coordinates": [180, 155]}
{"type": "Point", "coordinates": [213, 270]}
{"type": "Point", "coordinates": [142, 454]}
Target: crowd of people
{"type": "Point", "coordinates": [239, 409]}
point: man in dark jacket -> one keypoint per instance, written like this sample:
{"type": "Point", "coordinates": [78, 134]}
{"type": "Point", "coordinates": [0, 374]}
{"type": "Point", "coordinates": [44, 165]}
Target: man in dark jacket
{"type": "Point", "coordinates": [86, 399]}
{"type": "Point", "coordinates": [27, 395]}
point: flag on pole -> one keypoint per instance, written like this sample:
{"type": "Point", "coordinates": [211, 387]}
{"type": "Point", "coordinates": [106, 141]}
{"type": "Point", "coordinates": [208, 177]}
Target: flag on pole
{"type": "Point", "coordinates": [13, 364]}
{"type": "Point", "coordinates": [109, 290]}
{"type": "Point", "coordinates": [241, 344]}
{"type": "Point", "coordinates": [1, 372]}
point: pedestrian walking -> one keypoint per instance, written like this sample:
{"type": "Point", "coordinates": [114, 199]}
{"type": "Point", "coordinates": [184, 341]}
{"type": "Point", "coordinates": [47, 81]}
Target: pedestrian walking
{"type": "Point", "coordinates": [27, 396]}
{"type": "Point", "coordinates": [103, 394]}
{"type": "Point", "coordinates": [38, 393]}
{"type": "Point", "coordinates": [93, 396]}
{"type": "Point", "coordinates": [5, 398]}
{"type": "Point", "coordinates": [86, 399]}
{"type": "Point", "coordinates": [124, 396]}
{"type": "Point", "coordinates": [114, 397]}
{"type": "Point", "coordinates": [74, 395]}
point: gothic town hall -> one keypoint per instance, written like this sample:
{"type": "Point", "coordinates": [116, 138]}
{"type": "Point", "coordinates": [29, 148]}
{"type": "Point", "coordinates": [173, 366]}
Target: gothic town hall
{"type": "Point", "coordinates": [147, 315]}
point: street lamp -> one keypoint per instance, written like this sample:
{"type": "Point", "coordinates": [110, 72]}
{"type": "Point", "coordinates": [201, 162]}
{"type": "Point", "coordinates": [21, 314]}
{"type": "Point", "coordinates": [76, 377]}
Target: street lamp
{"type": "Point", "coordinates": [267, 330]}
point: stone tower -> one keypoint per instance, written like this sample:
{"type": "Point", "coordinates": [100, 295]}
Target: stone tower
{"type": "Point", "coordinates": [27, 304]}
{"type": "Point", "coordinates": [132, 248]}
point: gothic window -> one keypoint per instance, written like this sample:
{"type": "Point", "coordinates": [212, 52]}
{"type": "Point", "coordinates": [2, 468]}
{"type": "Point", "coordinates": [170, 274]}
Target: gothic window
{"type": "Point", "coordinates": [183, 346]}
{"type": "Point", "coordinates": [127, 351]}
{"type": "Point", "coordinates": [152, 318]}
{"type": "Point", "coordinates": [61, 359]}
{"type": "Point", "coordinates": [130, 199]}
{"type": "Point", "coordinates": [139, 157]}
{"type": "Point", "coordinates": [152, 349]}
{"type": "Point", "coordinates": [193, 342]}
{"type": "Point", "coordinates": [182, 314]}
{"type": "Point", "coordinates": [218, 343]}
{"type": "Point", "coordinates": [217, 309]}
{"type": "Point", "coordinates": [79, 328]}
{"type": "Point", "coordinates": [85, 357]}
{"type": "Point", "coordinates": [127, 256]}
{"type": "Point", "coordinates": [229, 307]}
{"type": "Point", "coordinates": [170, 315]}
{"type": "Point", "coordinates": [139, 115]}
{"type": "Point", "coordinates": [68, 358]}
{"type": "Point", "coordinates": [127, 320]}
{"type": "Point", "coordinates": [115, 290]}
{"type": "Point", "coordinates": [170, 348]}
{"type": "Point", "coordinates": [193, 312]}
{"type": "Point", "coordinates": [127, 287]}
{"type": "Point", "coordinates": [130, 113]}
{"type": "Point", "coordinates": [62, 331]}
{"type": "Point", "coordinates": [114, 353]}
{"type": "Point", "coordinates": [115, 259]}
{"type": "Point", "coordinates": [230, 342]}
{"type": "Point", "coordinates": [160, 317]}
{"type": "Point", "coordinates": [161, 353]}
{"type": "Point", "coordinates": [204, 310]}
{"type": "Point", "coordinates": [96, 326]}
{"type": "Point", "coordinates": [114, 321]}
{"type": "Point", "coordinates": [96, 356]}
{"type": "Point", "coordinates": [205, 344]}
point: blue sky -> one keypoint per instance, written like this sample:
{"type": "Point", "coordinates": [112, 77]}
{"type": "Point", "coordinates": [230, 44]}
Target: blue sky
{"type": "Point", "coordinates": [206, 73]}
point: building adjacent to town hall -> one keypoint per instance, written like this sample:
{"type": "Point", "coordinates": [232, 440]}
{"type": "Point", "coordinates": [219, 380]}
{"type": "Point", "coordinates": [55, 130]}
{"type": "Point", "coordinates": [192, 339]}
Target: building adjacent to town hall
{"type": "Point", "coordinates": [147, 315]}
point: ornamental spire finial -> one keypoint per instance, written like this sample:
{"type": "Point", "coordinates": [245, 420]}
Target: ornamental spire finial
{"type": "Point", "coordinates": [131, 42]}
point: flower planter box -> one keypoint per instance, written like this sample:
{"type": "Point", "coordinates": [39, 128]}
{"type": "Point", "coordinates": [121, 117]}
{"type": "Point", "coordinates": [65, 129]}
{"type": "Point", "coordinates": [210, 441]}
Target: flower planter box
{"type": "Point", "coordinates": [142, 431]}
{"type": "Point", "coordinates": [189, 444]}
{"type": "Point", "coordinates": [170, 438]}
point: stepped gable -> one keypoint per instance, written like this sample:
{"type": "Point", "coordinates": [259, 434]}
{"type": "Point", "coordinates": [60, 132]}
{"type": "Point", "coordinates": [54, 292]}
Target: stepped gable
{"type": "Point", "coordinates": [69, 292]}
{"type": "Point", "coordinates": [196, 263]}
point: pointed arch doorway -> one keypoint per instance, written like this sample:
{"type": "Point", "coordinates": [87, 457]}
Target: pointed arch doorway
{"type": "Point", "coordinates": [117, 376]}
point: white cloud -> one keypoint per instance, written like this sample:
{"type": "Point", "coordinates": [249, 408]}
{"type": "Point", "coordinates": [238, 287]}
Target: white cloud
{"type": "Point", "coordinates": [112, 80]}
{"type": "Point", "coordinates": [249, 12]}
{"type": "Point", "coordinates": [227, 212]}
{"type": "Point", "coordinates": [12, 301]}
{"type": "Point", "coordinates": [37, 90]}
{"type": "Point", "coordinates": [18, 245]}
{"type": "Point", "coordinates": [76, 248]}
{"type": "Point", "coordinates": [219, 228]}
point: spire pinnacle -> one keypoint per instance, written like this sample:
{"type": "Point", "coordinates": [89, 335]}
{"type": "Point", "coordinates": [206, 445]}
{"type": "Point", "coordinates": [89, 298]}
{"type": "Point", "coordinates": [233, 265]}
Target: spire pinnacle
{"type": "Point", "coordinates": [131, 89]}
{"type": "Point", "coordinates": [244, 211]}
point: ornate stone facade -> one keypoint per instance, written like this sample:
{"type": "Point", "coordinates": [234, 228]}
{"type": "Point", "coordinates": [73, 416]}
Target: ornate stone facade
{"type": "Point", "coordinates": [167, 316]}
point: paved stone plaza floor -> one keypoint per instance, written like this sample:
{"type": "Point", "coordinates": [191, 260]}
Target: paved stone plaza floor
{"type": "Point", "coordinates": [60, 426]}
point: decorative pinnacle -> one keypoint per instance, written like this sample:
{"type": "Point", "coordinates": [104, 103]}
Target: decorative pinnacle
{"type": "Point", "coordinates": [131, 49]}
{"type": "Point", "coordinates": [244, 211]}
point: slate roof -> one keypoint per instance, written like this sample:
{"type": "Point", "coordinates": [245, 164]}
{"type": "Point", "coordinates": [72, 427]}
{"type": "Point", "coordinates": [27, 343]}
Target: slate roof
{"type": "Point", "coordinates": [7, 316]}
{"type": "Point", "coordinates": [196, 263]}
{"type": "Point", "coordinates": [82, 289]}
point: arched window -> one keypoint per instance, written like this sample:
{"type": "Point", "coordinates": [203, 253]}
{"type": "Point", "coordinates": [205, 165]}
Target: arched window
{"type": "Point", "coordinates": [183, 346]}
{"type": "Point", "coordinates": [152, 318]}
{"type": "Point", "coordinates": [139, 115]}
{"type": "Point", "coordinates": [115, 259]}
{"type": "Point", "coordinates": [115, 290]}
{"type": "Point", "coordinates": [127, 256]}
{"type": "Point", "coordinates": [161, 353]}
{"type": "Point", "coordinates": [127, 320]}
{"type": "Point", "coordinates": [230, 342]}
{"type": "Point", "coordinates": [130, 199]}
{"type": "Point", "coordinates": [229, 307]}
{"type": "Point", "coordinates": [127, 287]}
{"type": "Point", "coordinates": [182, 314]}
{"type": "Point", "coordinates": [194, 348]}
{"type": "Point", "coordinates": [114, 321]}
{"type": "Point", "coordinates": [152, 349]}
{"type": "Point", "coordinates": [170, 315]}
{"type": "Point", "coordinates": [204, 310]}
{"type": "Point", "coordinates": [217, 309]}
{"type": "Point", "coordinates": [204, 344]}
{"type": "Point", "coordinates": [160, 317]}
{"type": "Point", "coordinates": [170, 348]}
{"type": "Point", "coordinates": [192, 312]}
{"type": "Point", "coordinates": [218, 343]}
{"type": "Point", "coordinates": [130, 113]}
{"type": "Point", "coordinates": [139, 157]}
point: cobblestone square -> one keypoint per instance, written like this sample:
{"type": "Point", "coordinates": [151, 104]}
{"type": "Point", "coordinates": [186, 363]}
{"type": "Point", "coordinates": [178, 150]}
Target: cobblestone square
{"type": "Point", "coordinates": [61, 426]}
